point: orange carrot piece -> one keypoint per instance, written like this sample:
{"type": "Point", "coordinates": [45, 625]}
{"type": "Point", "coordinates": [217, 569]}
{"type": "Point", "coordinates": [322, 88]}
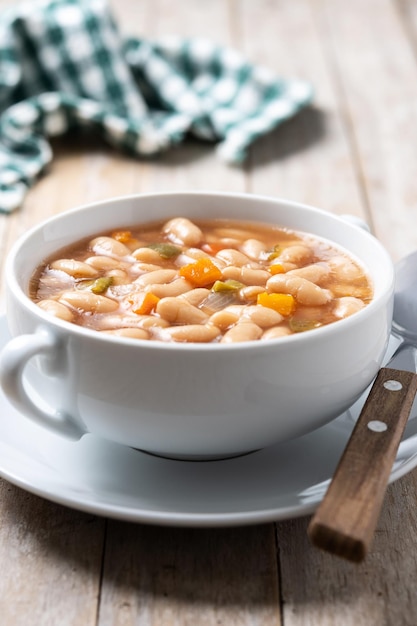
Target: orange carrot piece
{"type": "Point", "coordinates": [201, 273]}
{"type": "Point", "coordinates": [282, 303]}
{"type": "Point", "coordinates": [144, 304]}
{"type": "Point", "coordinates": [124, 236]}
{"type": "Point", "coordinates": [276, 268]}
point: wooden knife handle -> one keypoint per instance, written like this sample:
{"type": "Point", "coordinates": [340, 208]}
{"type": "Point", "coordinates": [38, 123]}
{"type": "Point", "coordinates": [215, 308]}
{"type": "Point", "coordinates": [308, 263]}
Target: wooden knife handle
{"type": "Point", "coordinates": [345, 521]}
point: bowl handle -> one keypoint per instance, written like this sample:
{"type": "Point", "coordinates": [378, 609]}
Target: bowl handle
{"type": "Point", "coordinates": [13, 361]}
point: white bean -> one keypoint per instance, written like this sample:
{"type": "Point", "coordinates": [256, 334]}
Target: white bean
{"type": "Point", "coordinates": [229, 242]}
{"type": "Point", "coordinates": [253, 277]}
{"type": "Point", "coordinates": [297, 254]}
{"type": "Point", "coordinates": [231, 272]}
{"type": "Point", "coordinates": [233, 233]}
{"type": "Point", "coordinates": [196, 296]}
{"type": "Point", "coordinates": [197, 253]}
{"type": "Point", "coordinates": [133, 333]}
{"type": "Point", "coordinates": [107, 246]}
{"type": "Point", "coordinates": [76, 269]}
{"type": "Point", "coordinates": [147, 255]}
{"type": "Point", "coordinates": [304, 291]}
{"type": "Point", "coordinates": [251, 293]}
{"type": "Point", "coordinates": [261, 316]}
{"type": "Point", "coordinates": [316, 272]}
{"type": "Point", "coordinates": [176, 288]}
{"type": "Point", "coordinates": [223, 319]}
{"type": "Point", "coordinates": [236, 309]}
{"type": "Point", "coordinates": [151, 321]}
{"type": "Point", "coordinates": [243, 331]}
{"type": "Point", "coordinates": [275, 332]}
{"type": "Point", "coordinates": [88, 301]}
{"type": "Point", "coordinates": [141, 268]}
{"type": "Point", "coordinates": [194, 333]}
{"type": "Point", "coordinates": [159, 277]}
{"type": "Point", "coordinates": [233, 257]}
{"type": "Point", "coordinates": [57, 309]}
{"type": "Point", "coordinates": [100, 262]}
{"type": "Point", "coordinates": [179, 311]}
{"type": "Point", "coordinates": [119, 277]}
{"type": "Point", "coordinates": [345, 270]}
{"type": "Point", "coordinates": [347, 289]}
{"type": "Point", "coordinates": [246, 275]}
{"type": "Point", "coordinates": [113, 322]}
{"type": "Point", "coordinates": [343, 307]}
{"type": "Point", "coordinates": [253, 248]}
{"type": "Point", "coordinates": [182, 230]}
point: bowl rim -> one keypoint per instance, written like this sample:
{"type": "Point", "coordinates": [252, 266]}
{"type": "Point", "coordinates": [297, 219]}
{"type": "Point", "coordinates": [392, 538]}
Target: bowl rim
{"type": "Point", "coordinates": [14, 286]}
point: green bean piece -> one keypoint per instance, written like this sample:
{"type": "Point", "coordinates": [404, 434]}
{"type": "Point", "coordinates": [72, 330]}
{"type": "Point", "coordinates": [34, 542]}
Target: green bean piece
{"type": "Point", "coordinates": [300, 325]}
{"type": "Point", "coordinates": [275, 252]}
{"type": "Point", "coordinates": [165, 250]}
{"type": "Point", "coordinates": [100, 285]}
{"type": "Point", "coordinates": [227, 286]}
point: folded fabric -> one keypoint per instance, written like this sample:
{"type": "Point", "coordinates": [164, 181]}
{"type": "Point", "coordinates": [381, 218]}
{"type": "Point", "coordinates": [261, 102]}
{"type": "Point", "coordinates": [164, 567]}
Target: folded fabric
{"type": "Point", "coordinates": [64, 65]}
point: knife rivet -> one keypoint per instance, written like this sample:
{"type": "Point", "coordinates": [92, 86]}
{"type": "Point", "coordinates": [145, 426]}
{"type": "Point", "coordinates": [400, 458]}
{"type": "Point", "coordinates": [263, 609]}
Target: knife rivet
{"type": "Point", "coordinates": [393, 385]}
{"type": "Point", "coordinates": [377, 426]}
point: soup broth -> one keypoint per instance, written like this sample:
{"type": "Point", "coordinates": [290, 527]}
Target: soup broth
{"type": "Point", "coordinates": [212, 281]}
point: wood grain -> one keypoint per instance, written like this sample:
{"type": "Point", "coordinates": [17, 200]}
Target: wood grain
{"type": "Point", "coordinates": [309, 158]}
{"type": "Point", "coordinates": [376, 83]}
{"type": "Point", "coordinates": [353, 151]}
{"type": "Point", "coordinates": [175, 576]}
{"type": "Point", "coordinates": [345, 521]}
{"type": "Point", "coordinates": [50, 559]}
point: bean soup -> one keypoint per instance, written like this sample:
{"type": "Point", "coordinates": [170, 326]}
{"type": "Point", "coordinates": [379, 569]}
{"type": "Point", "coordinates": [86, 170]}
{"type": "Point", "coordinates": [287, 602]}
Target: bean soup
{"type": "Point", "coordinates": [212, 281]}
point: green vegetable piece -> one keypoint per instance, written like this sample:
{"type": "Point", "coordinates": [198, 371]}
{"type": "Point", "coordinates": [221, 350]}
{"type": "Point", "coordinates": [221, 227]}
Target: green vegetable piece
{"type": "Point", "coordinates": [300, 325]}
{"type": "Point", "coordinates": [227, 286]}
{"type": "Point", "coordinates": [165, 250]}
{"type": "Point", "coordinates": [100, 285]}
{"type": "Point", "coordinates": [275, 252]}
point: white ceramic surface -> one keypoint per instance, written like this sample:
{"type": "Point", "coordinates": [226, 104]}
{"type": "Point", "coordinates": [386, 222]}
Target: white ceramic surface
{"type": "Point", "coordinates": [190, 399]}
{"type": "Point", "coordinates": [283, 481]}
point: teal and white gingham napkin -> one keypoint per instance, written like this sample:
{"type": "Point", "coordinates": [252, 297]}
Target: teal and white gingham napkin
{"type": "Point", "coordinates": [64, 65]}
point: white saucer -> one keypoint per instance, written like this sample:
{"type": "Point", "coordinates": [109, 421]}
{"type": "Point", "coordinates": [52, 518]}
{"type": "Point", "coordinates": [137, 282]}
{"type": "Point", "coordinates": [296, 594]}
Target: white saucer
{"type": "Point", "coordinates": [280, 482]}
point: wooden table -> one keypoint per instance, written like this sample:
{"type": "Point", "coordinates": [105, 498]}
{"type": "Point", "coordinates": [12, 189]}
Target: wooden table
{"type": "Point", "coordinates": [354, 151]}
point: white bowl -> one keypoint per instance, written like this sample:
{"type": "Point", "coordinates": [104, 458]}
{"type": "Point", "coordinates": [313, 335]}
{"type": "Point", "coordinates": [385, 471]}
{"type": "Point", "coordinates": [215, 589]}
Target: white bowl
{"type": "Point", "coordinates": [189, 400]}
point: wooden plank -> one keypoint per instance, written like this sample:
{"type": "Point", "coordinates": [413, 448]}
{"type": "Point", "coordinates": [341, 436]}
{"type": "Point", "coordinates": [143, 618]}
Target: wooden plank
{"type": "Point", "coordinates": [187, 577]}
{"type": "Point", "coordinates": [309, 158]}
{"type": "Point", "coordinates": [50, 558]}
{"type": "Point", "coordinates": [320, 589]}
{"type": "Point", "coordinates": [377, 73]}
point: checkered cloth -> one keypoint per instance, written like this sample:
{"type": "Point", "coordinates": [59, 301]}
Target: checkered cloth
{"type": "Point", "coordinates": [63, 65]}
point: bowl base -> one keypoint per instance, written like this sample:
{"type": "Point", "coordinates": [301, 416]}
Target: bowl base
{"type": "Point", "coordinates": [196, 457]}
